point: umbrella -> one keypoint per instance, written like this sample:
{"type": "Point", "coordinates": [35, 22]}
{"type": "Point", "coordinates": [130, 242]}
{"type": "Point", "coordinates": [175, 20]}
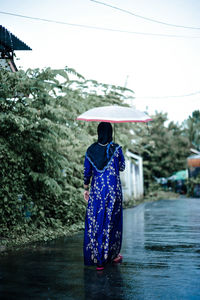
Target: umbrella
{"type": "Point", "coordinates": [114, 114]}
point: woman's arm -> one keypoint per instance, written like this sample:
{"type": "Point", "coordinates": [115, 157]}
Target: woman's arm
{"type": "Point", "coordinates": [87, 176]}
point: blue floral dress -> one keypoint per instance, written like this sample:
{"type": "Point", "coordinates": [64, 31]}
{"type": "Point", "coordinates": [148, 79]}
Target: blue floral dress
{"type": "Point", "coordinates": [103, 221]}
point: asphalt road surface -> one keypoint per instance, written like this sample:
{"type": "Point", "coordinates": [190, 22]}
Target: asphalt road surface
{"type": "Point", "coordinates": [161, 260]}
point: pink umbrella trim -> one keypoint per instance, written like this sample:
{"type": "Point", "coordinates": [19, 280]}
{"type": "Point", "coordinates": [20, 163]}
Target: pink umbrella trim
{"type": "Point", "coordinates": [111, 121]}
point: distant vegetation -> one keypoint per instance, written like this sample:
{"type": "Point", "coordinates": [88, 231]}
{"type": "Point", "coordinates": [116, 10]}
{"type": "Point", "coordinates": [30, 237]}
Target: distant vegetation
{"type": "Point", "coordinates": [42, 146]}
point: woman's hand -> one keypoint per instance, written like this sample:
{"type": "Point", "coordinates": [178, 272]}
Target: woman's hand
{"type": "Point", "coordinates": [86, 195]}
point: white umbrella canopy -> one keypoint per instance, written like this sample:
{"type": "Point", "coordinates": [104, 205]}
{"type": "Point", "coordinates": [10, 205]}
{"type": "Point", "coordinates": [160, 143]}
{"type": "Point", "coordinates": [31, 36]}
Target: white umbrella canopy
{"type": "Point", "coordinates": [114, 114]}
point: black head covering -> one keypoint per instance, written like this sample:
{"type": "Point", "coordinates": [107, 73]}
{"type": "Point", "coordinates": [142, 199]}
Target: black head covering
{"type": "Point", "coordinates": [104, 131]}
{"type": "Point", "coordinates": [100, 153]}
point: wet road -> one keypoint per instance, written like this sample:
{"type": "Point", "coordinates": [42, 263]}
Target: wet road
{"type": "Point", "coordinates": [161, 249]}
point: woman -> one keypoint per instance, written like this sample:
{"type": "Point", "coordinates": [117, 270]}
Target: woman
{"type": "Point", "coordinates": [103, 223]}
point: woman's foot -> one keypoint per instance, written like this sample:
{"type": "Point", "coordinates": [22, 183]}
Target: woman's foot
{"type": "Point", "coordinates": [100, 268]}
{"type": "Point", "coordinates": [118, 258]}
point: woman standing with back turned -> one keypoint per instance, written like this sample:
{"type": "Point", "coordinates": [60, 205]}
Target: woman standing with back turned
{"type": "Point", "coordinates": [103, 222]}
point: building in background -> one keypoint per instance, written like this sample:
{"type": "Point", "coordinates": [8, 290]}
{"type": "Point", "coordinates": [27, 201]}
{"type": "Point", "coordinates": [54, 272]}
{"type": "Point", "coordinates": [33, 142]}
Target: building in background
{"type": "Point", "coordinates": [132, 178]}
{"type": "Point", "coordinates": [8, 44]}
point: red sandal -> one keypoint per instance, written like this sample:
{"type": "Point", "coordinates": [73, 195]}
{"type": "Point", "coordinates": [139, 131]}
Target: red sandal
{"type": "Point", "coordinates": [100, 268]}
{"type": "Point", "coordinates": [118, 258]}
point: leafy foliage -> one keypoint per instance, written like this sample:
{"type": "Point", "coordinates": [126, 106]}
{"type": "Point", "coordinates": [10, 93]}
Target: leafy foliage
{"type": "Point", "coordinates": [42, 146]}
{"type": "Point", "coordinates": [192, 129]}
{"type": "Point", "coordinates": [164, 148]}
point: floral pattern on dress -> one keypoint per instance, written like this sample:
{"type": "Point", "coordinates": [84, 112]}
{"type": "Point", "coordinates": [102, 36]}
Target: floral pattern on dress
{"type": "Point", "coordinates": [103, 221]}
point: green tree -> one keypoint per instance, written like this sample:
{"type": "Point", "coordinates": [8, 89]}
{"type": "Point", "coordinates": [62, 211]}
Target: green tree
{"type": "Point", "coordinates": [192, 129]}
{"type": "Point", "coordinates": [42, 146]}
{"type": "Point", "coordinates": [164, 148]}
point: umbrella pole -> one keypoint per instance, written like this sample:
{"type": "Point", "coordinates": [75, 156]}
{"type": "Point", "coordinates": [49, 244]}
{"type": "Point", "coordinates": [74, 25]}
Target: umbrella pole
{"type": "Point", "coordinates": [114, 132]}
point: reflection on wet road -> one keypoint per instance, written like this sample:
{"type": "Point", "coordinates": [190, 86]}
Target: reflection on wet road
{"type": "Point", "coordinates": [161, 250]}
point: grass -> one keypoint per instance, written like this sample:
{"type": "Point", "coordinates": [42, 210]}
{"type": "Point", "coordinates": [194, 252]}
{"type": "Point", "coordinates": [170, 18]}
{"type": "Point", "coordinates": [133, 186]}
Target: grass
{"type": "Point", "coordinates": [30, 238]}
{"type": "Point", "coordinates": [150, 197]}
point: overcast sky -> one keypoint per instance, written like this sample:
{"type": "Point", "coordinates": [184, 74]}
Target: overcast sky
{"type": "Point", "coordinates": [152, 66]}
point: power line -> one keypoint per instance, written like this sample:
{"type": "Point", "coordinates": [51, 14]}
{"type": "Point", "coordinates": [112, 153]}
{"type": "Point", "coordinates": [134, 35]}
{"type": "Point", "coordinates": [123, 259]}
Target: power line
{"type": "Point", "coordinates": [100, 28]}
{"type": "Point", "coordinates": [165, 97]}
{"type": "Point", "coordinates": [144, 18]}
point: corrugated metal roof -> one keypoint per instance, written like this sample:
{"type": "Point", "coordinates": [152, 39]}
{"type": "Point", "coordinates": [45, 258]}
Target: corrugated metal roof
{"type": "Point", "coordinates": [9, 42]}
